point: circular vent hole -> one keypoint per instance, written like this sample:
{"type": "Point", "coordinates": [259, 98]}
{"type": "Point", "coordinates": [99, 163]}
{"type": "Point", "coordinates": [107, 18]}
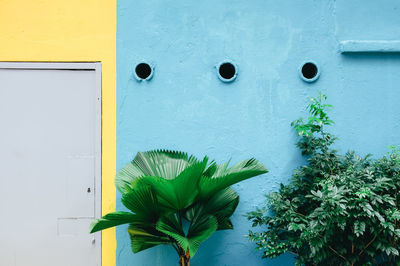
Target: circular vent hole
{"type": "Point", "coordinates": [143, 71]}
{"type": "Point", "coordinates": [227, 71]}
{"type": "Point", "coordinates": [309, 71]}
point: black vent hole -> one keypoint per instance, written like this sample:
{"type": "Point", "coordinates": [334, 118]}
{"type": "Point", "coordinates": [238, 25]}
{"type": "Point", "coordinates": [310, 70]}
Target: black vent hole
{"type": "Point", "coordinates": [227, 70]}
{"type": "Point", "coordinates": [309, 70]}
{"type": "Point", "coordinates": [143, 70]}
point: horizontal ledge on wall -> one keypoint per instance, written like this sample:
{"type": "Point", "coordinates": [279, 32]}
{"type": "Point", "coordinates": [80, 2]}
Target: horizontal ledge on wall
{"type": "Point", "coordinates": [369, 46]}
{"type": "Point", "coordinates": [56, 65]}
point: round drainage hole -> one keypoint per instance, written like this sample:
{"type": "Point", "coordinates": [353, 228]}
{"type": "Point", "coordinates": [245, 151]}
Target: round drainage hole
{"type": "Point", "coordinates": [143, 70]}
{"type": "Point", "coordinates": [309, 70]}
{"type": "Point", "coordinates": [227, 71]}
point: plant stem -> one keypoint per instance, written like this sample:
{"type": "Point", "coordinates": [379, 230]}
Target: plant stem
{"type": "Point", "coordinates": [337, 253]}
{"type": "Point", "coordinates": [184, 257]}
{"type": "Point", "coordinates": [369, 243]}
{"type": "Point", "coordinates": [175, 246]}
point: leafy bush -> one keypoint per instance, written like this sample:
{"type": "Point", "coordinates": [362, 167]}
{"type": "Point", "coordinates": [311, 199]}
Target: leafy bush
{"type": "Point", "coordinates": [336, 210]}
{"type": "Point", "coordinates": [166, 190]}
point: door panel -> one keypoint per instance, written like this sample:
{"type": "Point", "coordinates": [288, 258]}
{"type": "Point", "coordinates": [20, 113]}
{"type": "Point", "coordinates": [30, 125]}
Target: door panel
{"type": "Point", "coordinates": [50, 163]}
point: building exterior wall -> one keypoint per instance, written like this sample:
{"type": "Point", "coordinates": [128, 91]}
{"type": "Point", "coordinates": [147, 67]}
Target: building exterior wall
{"type": "Point", "coordinates": [70, 30]}
{"type": "Point", "coordinates": [186, 107]}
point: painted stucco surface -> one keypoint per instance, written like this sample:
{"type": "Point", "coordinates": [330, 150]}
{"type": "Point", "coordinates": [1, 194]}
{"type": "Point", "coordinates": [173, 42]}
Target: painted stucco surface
{"type": "Point", "coordinates": [186, 107]}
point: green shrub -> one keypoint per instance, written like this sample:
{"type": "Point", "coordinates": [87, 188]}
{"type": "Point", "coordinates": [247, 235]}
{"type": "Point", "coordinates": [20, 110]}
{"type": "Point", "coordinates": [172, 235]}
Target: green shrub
{"type": "Point", "coordinates": [336, 210]}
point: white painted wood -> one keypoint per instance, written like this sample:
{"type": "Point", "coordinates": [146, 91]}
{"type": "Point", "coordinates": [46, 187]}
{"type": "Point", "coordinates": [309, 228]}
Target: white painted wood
{"type": "Point", "coordinates": [50, 157]}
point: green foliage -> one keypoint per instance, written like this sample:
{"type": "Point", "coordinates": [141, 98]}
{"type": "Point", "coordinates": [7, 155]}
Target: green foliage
{"type": "Point", "coordinates": [166, 189]}
{"type": "Point", "coordinates": [336, 210]}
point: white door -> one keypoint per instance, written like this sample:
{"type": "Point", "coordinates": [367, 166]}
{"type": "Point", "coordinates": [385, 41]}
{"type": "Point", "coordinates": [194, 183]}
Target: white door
{"type": "Point", "coordinates": [50, 156]}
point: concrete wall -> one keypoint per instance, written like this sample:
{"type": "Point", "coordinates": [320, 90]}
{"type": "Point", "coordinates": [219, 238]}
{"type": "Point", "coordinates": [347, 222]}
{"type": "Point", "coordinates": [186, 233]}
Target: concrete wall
{"type": "Point", "coordinates": [186, 107]}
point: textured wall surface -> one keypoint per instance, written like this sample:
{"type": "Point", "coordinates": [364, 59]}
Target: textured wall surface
{"type": "Point", "coordinates": [186, 107]}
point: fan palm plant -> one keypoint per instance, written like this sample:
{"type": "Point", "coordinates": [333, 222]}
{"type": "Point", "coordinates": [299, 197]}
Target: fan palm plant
{"type": "Point", "coordinates": [166, 190]}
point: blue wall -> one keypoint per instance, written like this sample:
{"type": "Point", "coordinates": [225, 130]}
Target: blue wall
{"type": "Point", "coordinates": [186, 107]}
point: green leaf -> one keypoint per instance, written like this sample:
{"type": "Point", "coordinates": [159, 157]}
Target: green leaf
{"type": "Point", "coordinates": [142, 239]}
{"type": "Point", "coordinates": [143, 202]}
{"type": "Point", "coordinates": [170, 224]}
{"type": "Point", "coordinates": [201, 231]}
{"type": "Point", "coordinates": [224, 177]}
{"type": "Point", "coordinates": [180, 192]}
{"type": "Point", "coordinates": [224, 224]}
{"type": "Point", "coordinates": [162, 163]}
{"type": "Point", "coordinates": [139, 243]}
{"type": "Point", "coordinates": [211, 169]}
{"type": "Point", "coordinates": [222, 205]}
{"type": "Point", "coordinates": [126, 176]}
{"type": "Point", "coordinates": [198, 232]}
{"type": "Point", "coordinates": [111, 220]}
{"type": "Point", "coordinates": [359, 228]}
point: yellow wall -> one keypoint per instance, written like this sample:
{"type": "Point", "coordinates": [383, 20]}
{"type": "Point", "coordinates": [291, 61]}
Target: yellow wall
{"type": "Point", "coordinates": [71, 30]}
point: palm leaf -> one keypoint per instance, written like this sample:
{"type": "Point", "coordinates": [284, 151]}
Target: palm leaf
{"type": "Point", "coordinates": [225, 224]}
{"type": "Point", "coordinates": [201, 231]}
{"type": "Point", "coordinates": [162, 163]}
{"type": "Point", "coordinates": [126, 176]}
{"type": "Point", "coordinates": [111, 220]}
{"type": "Point", "coordinates": [223, 177]}
{"type": "Point", "coordinates": [177, 193]}
{"type": "Point", "coordinates": [143, 202]}
{"type": "Point", "coordinates": [211, 169]}
{"type": "Point", "coordinates": [171, 225]}
{"type": "Point", "coordinates": [222, 205]}
{"type": "Point", "coordinates": [139, 243]}
{"type": "Point", "coordinates": [142, 239]}
{"type": "Point", "coordinates": [215, 169]}
{"type": "Point", "coordinates": [198, 232]}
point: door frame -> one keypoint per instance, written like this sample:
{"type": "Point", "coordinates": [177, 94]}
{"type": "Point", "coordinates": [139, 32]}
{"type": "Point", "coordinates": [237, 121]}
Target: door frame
{"type": "Point", "coordinates": [79, 66]}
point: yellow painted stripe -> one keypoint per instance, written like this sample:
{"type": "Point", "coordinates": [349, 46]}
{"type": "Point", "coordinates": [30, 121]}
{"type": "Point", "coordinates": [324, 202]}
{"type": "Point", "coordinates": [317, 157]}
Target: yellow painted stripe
{"type": "Point", "coordinates": [71, 30]}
